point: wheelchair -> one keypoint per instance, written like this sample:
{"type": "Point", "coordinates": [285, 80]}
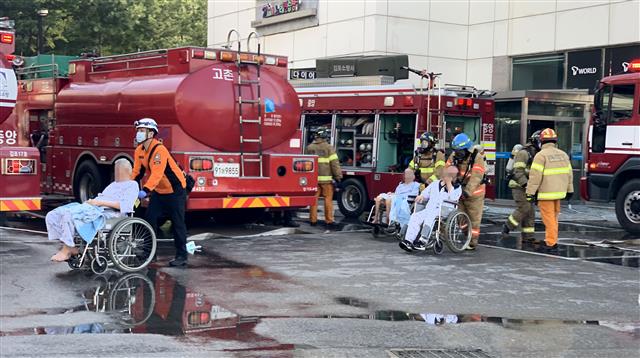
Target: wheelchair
{"type": "Point", "coordinates": [127, 244]}
{"type": "Point", "coordinates": [452, 230]}
{"type": "Point", "coordinates": [383, 228]}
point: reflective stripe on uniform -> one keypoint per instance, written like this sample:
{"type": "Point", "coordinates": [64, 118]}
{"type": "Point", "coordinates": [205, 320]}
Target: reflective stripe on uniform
{"type": "Point", "coordinates": [475, 232]}
{"type": "Point", "coordinates": [519, 165]}
{"type": "Point", "coordinates": [426, 169]}
{"type": "Point", "coordinates": [478, 191]}
{"type": "Point", "coordinates": [553, 195]}
{"type": "Point", "coordinates": [433, 178]}
{"type": "Point", "coordinates": [528, 230]}
{"type": "Point", "coordinates": [477, 167]}
{"type": "Point", "coordinates": [323, 160]}
{"type": "Point", "coordinates": [537, 166]}
{"type": "Point", "coordinates": [325, 178]}
{"type": "Point", "coordinates": [333, 156]}
{"type": "Point", "coordinates": [513, 221]}
{"type": "Point", "coordinates": [556, 171]}
{"type": "Point", "coordinates": [440, 163]}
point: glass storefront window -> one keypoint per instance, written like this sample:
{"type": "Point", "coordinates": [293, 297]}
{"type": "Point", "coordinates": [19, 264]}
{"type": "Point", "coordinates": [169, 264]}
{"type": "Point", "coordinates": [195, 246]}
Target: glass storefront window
{"type": "Point", "coordinates": [540, 72]}
{"type": "Point", "coordinates": [556, 109]}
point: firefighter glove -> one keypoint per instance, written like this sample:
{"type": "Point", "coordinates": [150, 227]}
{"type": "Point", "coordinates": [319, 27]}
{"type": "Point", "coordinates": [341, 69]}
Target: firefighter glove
{"type": "Point", "coordinates": [142, 194]}
{"type": "Point", "coordinates": [569, 196]}
{"type": "Point", "coordinates": [532, 198]}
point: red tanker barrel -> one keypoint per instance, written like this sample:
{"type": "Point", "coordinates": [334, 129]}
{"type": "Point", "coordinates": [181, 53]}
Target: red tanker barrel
{"type": "Point", "coordinates": [203, 103]}
{"type": "Point", "coordinates": [209, 97]}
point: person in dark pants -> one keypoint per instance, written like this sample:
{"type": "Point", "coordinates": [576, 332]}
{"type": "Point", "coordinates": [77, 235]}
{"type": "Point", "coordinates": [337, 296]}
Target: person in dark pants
{"type": "Point", "coordinates": [165, 187]}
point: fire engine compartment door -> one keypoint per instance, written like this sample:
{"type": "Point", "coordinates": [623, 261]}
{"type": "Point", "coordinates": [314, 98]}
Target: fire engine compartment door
{"type": "Point", "coordinates": [455, 125]}
{"type": "Point", "coordinates": [395, 142]}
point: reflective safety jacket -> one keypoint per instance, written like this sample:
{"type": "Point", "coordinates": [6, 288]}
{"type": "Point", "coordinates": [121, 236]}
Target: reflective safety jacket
{"type": "Point", "coordinates": [551, 175]}
{"type": "Point", "coordinates": [522, 166]}
{"type": "Point", "coordinates": [429, 163]}
{"type": "Point", "coordinates": [328, 163]}
{"type": "Point", "coordinates": [470, 175]}
{"type": "Point", "coordinates": [165, 175]}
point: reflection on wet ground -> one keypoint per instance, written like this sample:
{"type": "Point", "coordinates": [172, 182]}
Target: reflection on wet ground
{"type": "Point", "coordinates": [156, 303]}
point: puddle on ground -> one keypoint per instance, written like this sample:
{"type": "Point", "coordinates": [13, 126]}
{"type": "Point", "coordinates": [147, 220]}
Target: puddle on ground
{"type": "Point", "coordinates": [156, 303]}
{"type": "Point", "coordinates": [610, 255]}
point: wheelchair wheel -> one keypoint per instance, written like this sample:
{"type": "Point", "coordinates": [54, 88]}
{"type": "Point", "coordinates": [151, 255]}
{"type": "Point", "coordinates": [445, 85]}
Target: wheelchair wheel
{"type": "Point", "coordinates": [457, 231]}
{"type": "Point", "coordinates": [132, 244]}
{"type": "Point", "coordinates": [438, 247]}
{"type": "Point", "coordinates": [132, 298]}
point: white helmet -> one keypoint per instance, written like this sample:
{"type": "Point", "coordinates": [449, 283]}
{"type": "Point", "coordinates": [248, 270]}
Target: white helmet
{"type": "Point", "coordinates": [148, 123]}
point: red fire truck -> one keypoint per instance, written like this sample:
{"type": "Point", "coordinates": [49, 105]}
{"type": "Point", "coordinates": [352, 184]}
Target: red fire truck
{"type": "Point", "coordinates": [19, 163]}
{"type": "Point", "coordinates": [375, 124]}
{"type": "Point", "coordinates": [613, 161]}
{"type": "Point", "coordinates": [230, 118]}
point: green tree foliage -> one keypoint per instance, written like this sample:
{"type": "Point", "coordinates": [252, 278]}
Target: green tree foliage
{"type": "Point", "coordinates": [107, 26]}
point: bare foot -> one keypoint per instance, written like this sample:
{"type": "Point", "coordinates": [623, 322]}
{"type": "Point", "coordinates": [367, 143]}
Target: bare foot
{"type": "Point", "coordinates": [64, 254]}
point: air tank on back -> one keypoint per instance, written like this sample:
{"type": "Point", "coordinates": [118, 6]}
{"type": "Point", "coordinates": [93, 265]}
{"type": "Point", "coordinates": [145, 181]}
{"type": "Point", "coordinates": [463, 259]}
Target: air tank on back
{"type": "Point", "coordinates": [200, 97]}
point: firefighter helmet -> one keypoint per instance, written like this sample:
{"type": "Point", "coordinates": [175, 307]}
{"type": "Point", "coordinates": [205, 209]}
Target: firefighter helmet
{"type": "Point", "coordinates": [148, 123]}
{"type": "Point", "coordinates": [321, 132]}
{"type": "Point", "coordinates": [461, 141]}
{"type": "Point", "coordinates": [429, 138]}
{"type": "Point", "coordinates": [548, 135]}
{"type": "Point", "coordinates": [535, 138]}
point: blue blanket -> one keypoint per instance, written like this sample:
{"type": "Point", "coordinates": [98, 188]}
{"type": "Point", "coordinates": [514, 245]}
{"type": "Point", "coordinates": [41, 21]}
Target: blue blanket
{"type": "Point", "coordinates": [400, 210]}
{"type": "Point", "coordinates": [87, 219]}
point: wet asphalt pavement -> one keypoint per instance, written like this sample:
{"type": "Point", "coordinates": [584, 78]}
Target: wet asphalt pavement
{"type": "Point", "coordinates": [314, 294]}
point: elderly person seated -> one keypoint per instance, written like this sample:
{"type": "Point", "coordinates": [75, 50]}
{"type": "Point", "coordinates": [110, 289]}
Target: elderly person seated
{"type": "Point", "coordinates": [447, 189]}
{"type": "Point", "coordinates": [406, 188]}
{"type": "Point", "coordinates": [117, 199]}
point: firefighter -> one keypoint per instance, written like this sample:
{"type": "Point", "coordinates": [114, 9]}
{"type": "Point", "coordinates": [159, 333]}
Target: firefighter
{"type": "Point", "coordinates": [428, 161]}
{"type": "Point", "coordinates": [550, 180]}
{"type": "Point", "coordinates": [329, 172]}
{"type": "Point", "coordinates": [165, 187]}
{"type": "Point", "coordinates": [524, 214]}
{"type": "Point", "coordinates": [471, 175]}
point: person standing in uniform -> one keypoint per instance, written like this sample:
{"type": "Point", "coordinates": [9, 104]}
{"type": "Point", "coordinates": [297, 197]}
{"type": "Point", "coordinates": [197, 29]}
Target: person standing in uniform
{"type": "Point", "coordinates": [165, 187]}
{"type": "Point", "coordinates": [328, 171]}
{"type": "Point", "coordinates": [427, 160]}
{"type": "Point", "coordinates": [550, 180]}
{"type": "Point", "coordinates": [524, 214]}
{"type": "Point", "coordinates": [471, 170]}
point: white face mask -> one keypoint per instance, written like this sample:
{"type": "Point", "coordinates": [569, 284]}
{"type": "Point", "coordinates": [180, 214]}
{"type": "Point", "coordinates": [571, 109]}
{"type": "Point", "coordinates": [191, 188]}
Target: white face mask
{"type": "Point", "coordinates": [141, 137]}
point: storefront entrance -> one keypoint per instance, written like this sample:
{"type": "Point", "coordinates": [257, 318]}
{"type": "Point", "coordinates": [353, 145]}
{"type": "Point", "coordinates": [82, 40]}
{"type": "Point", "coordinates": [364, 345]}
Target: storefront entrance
{"type": "Point", "coordinates": [520, 113]}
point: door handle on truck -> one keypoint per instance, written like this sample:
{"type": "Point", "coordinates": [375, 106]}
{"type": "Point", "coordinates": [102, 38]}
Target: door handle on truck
{"type": "Point", "coordinates": [627, 143]}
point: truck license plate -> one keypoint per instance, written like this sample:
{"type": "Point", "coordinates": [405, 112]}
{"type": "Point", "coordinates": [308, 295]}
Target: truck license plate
{"type": "Point", "coordinates": [226, 170]}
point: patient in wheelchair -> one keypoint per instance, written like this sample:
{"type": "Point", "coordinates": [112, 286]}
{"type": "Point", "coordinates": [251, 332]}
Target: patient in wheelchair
{"type": "Point", "coordinates": [408, 187]}
{"type": "Point", "coordinates": [446, 189]}
{"type": "Point", "coordinates": [117, 199]}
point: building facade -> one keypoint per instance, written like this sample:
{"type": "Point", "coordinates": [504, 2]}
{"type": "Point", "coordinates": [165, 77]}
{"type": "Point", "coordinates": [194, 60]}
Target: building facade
{"type": "Point", "coordinates": [542, 57]}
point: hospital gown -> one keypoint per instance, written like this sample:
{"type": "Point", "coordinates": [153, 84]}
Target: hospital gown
{"type": "Point", "coordinates": [60, 221]}
{"type": "Point", "coordinates": [434, 194]}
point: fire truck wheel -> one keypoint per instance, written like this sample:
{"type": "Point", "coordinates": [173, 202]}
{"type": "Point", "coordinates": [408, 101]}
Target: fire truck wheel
{"type": "Point", "coordinates": [87, 182]}
{"type": "Point", "coordinates": [352, 199]}
{"type": "Point", "coordinates": [628, 206]}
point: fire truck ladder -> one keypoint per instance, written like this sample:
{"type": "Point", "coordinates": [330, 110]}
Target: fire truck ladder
{"type": "Point", "coordinates": [243, 62]}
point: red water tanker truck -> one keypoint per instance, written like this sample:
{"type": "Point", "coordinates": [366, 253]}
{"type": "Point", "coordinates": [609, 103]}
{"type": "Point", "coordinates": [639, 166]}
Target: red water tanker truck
{"type": "Point", "coordinates": [229, 118]}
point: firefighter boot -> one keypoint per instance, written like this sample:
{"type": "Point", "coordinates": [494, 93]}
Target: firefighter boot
{"type": "Point", "coordinates": [505, 230]}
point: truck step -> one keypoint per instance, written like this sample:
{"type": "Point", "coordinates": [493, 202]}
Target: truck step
{"type": "Point", "coordinates": [252, 101]}
{"type": "Point", "coordinates": [252, 160]}
{"type": "Point", "coordinates": [248, 82]}
{"type": "Point", "coordinates": [257, 121]}
{"type": "Point", "coordinates": [247, 140]}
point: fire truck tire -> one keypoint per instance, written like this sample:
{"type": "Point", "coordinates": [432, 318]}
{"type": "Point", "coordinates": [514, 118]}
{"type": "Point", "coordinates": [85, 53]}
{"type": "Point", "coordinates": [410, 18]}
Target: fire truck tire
{"type": "Point", "coordinates": [352, 198]}
{"type": "Point", "coordinates": [87, 182]}
{"type": "Point", "coordinates": [628, 206]}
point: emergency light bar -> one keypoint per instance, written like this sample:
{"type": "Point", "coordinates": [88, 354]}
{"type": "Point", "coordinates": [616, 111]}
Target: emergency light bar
{"type": "Point", "coordinates": [634, 66]}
